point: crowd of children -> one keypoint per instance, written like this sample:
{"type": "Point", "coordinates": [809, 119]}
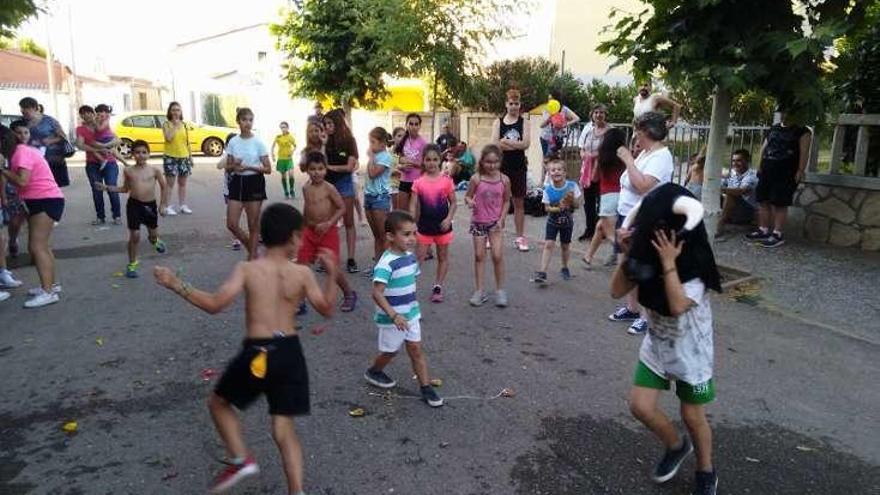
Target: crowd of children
{"type": "Point", "coordinates": [409, 203]}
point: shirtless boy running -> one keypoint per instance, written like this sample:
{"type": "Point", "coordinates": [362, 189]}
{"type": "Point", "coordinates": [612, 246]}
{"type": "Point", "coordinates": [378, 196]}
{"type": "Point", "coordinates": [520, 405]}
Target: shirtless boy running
{"type": "Point", "coordinates": [141, 209]}
{"type": "Point", "coordinates": [271, 361]}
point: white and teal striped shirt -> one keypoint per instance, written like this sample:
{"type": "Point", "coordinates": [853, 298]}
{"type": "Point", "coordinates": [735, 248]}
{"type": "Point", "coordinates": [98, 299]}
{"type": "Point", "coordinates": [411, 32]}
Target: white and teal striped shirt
{"type": "Point", "coordinates": [398, 272]}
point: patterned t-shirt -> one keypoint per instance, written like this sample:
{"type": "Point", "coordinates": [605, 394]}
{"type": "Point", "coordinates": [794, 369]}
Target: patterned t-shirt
{"type": "Point", "coordinates": [398, 271]}
{"type": "Point", "coordinates": [680, 347]}
{"type": "Point", "coordinates": [553, 196]}
{"type": "Point", "coordinates": [433, 196]}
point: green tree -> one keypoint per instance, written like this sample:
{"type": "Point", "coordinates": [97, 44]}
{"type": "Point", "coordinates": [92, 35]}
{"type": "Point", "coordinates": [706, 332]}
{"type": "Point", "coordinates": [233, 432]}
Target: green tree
{"type": "Point", "coordinates": [726, 47]}
{"type": "Point", "coordinates": [857, 76]}
{"type": "Point", "coordinates": [15, 12]}
{"type": "Point", "coordinates": [343, 49]}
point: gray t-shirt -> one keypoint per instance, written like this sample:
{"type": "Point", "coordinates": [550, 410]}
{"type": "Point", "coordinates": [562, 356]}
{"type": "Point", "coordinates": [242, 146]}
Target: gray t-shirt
{"type": "Point", "coordinates": [680, 347]}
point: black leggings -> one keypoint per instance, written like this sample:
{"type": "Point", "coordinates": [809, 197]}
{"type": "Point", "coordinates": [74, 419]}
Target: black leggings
{"type": "Point", "coordinates": [591, 206]}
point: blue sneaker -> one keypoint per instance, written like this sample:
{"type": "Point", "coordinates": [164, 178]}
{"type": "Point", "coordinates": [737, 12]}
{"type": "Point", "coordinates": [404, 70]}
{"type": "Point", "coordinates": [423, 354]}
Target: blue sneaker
{"type": "Point", "coordinates": [623, 314]}
{"type": "Point", "coordinates": [639, 327]}
{"type": "Point", "coordinates": [160, 246]}
{"type": "Point", "coordinates": [131, 270]}
{"type": "Point", "coordinates": [566, 274]}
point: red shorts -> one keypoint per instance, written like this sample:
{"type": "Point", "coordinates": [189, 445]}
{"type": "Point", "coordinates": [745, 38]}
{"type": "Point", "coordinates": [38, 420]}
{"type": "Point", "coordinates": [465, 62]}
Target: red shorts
{"type": "Point", "coordinates": [440, 240]}
{"type": "Point", "coordinates": [312, 242]}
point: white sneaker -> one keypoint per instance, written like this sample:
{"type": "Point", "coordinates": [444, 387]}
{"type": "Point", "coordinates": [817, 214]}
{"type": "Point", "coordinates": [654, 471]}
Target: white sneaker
{"type": "Point", "coordinates": [170, 211]}
{"type": "Point", "coordinates": [56, 289]}
{"type": "Point", "coordinates": [185, 210]}
{"type": "Point", "coordinates": [7, 281]}
{"type": "Point", "coordinates": [521, 244]}
{"type": "Point", "coordinates": [42, 299]}
{"type": "Point", "coordinates": [4, 295]}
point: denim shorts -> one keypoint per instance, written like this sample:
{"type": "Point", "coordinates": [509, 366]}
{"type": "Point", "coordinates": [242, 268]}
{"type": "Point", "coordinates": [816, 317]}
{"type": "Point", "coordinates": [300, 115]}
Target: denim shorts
{"type": "Point", "coordinates": [345, 186]}
{"type": "Point", "coordinates": [377, 202]}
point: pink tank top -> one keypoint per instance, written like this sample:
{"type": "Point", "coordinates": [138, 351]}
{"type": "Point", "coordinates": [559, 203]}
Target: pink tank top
{"type": "Point", "coordinates": [487, 201]}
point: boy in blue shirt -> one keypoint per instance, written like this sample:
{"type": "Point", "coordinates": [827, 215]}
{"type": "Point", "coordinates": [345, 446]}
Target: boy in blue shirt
{"type": "Point", "coordinates": [561, 197]}
{"type": "Point", "coordinates": [397, 308]}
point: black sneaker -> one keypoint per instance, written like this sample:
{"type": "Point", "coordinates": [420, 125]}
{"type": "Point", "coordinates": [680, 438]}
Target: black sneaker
{"type": "Point", "coordinates": [672, 459]}
{"type": "Point", "coordinates": [379, 379]}
{"type": "Point", "coordinates": [540, 278]}
{"type": "Point", "coordinates": [303, 309]}
{"type": "Point", "coordinates": [624, 314]}
{"type": "Point", "coordinates": [757, 235]}
{"type": "Point", "coordinates": [351, 266]}
{"type": "Point", "coordinates": [705, 483]}
{"type": "Point", "coordinates": [430, 396]}
{"type": "Point", "coordinates": [774, 240]}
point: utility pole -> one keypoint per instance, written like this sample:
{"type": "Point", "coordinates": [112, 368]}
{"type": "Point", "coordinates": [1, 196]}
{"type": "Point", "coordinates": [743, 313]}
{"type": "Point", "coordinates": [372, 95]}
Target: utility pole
{"type": "Point", "coordinates": [50, 67]}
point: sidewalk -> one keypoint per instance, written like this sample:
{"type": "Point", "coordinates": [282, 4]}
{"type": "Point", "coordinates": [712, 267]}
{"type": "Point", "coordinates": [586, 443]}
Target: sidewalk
{"type": "Point", "coordinates": [834, 288]}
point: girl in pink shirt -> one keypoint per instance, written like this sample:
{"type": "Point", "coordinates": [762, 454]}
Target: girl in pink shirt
{"type": "Point", "coordinates": [410, 150]}
{"type": "Point", "coordinates": [488, 195]}
{"type": "Point", "coordinates": [29, 172]}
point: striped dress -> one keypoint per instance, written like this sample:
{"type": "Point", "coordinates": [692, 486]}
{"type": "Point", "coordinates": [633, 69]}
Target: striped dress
{"type": "Point", "coordinates": [398, 271]}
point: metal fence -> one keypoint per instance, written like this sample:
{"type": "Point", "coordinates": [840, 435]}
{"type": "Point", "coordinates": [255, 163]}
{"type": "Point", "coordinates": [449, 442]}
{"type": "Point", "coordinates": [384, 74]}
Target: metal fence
{"type": "Point", "coordinates": [686, 140]}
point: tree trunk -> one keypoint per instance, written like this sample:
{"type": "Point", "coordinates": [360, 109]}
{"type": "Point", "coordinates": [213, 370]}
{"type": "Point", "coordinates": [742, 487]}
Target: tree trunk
{"type": "Point", "coordinates": [715, 160]}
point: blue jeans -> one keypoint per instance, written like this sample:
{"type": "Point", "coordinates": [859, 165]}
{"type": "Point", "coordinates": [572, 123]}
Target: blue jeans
{"type": "Point", "coordinates": [108, 176]}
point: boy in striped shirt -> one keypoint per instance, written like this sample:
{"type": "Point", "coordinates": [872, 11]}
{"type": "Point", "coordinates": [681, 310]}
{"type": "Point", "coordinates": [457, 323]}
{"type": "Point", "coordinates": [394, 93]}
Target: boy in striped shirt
{"type": "Point", "coordinates": [397, 308]}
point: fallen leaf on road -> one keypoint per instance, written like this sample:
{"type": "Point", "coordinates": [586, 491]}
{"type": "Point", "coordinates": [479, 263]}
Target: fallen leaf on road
{"type": "Point", "coordinates": [804, 448]}
{"type": "Point", "coordinates": [118, 274]}
{"type": "Point", "coordinates": [319, 329]}
{"type": "Point", "coordinates": [357, 412]}
{"type": "Point", "coordinates": [507, 392]}
{"type": "Point", "coordinates": [752, 459]}
{"type": "Point", "coordinates": [443, 445]}
{"type": "Point", "coordinates": [208, 373]}
{"type": "Point", "coordinates": [115, 286]}
{"type": "Point", "coordinates": [99, 341]}
{"type": "Point", "coordinates": [171, 475]}
{"type": "Point", "coordinates": [436, 382]}
{"type": "Point", "coordinates": [70, 427]}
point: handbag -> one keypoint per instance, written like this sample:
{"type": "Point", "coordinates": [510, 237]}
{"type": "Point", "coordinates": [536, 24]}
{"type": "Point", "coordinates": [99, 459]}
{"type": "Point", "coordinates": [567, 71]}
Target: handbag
{"type": "Point", "coordinates": [69, 149]}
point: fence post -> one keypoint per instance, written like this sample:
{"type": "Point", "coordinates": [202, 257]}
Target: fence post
{"type": "Point", "coordinates": [861, 157]}
{"type": "Point", "coordinates": [837, 148]}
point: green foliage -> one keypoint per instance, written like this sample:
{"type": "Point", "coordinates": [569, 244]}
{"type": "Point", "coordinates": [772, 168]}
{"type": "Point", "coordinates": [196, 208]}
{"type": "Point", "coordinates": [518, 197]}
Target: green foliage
{"type": "Point", "coordinates": [857, 77]}
{"type": "Point", "coordinates": [15, 12]}
{"type": "Point", "coordinates": [776, 47]}
{"type": "Point", "coordinates": [25, 45]}
{"type": "Point", "coordinates": [535, 78]}
{"type": "Point", "coordinates": [342, 49]}
{"type": "Point", "coordinates": [747, 108]}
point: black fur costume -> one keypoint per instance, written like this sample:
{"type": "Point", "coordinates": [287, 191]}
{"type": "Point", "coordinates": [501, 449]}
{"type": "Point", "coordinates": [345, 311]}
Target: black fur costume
{"type": "Point", "coordinates": [654, 212]}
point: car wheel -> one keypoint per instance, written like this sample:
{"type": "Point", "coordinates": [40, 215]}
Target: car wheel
{"type": "Point", "coordinates": [212, 147]}
{"type": "Point", "coordinates": [125, 147]}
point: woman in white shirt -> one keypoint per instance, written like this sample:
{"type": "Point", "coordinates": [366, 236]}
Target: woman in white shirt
{"type": "Point", "coordinates": [653, 166]}
{"type": "Point", "coordinates": [588, 142]}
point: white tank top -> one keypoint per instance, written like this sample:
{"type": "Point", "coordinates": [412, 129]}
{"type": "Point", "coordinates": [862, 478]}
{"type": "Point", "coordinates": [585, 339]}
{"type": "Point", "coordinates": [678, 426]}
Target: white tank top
{"type": "Point", "coordinates": [643, 106]}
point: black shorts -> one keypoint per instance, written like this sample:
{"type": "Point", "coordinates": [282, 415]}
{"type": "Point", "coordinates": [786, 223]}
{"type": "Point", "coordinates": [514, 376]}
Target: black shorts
{"type": "Point", "coordinates": [246, 188]}
{"type": "Point", "coordinates": [405, 187]}
{"type": "Point", "coordinates": [516, 172]}
{"type": "Point", "coordinates": [285, 383]}
{"type": "Point", "coordinates": [54, 207]}
{"type": "Point", "coordinates": [58, 166]}
{"type": "Point", "coordinates": [139, 213]}
{"type": "Point", "coordinates": [561, 226]}
{"type": "Point", "coordinates": [776, 182]}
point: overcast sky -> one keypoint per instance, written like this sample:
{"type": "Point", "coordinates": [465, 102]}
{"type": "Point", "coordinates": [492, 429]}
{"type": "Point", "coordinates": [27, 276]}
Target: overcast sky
{"type": "Point", "coordinates": [135, 37]}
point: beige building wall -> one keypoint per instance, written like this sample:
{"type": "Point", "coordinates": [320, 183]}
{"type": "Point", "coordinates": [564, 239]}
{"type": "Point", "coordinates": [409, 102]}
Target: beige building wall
{"type": "Point", "coordinates": [577, 30]}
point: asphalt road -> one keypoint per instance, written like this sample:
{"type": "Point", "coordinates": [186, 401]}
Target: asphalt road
{"type": "Point", "coordinates": [797, 408]}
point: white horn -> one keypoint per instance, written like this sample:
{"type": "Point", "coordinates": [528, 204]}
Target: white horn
{"type": "Point", "coordinates": [690, 208]}
{"type": "Point", "coordinates": [631, 216]}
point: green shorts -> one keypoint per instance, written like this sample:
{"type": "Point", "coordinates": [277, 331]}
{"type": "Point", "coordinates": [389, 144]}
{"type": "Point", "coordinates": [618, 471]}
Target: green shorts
{"type": "Point", "coordinates": [284, 165]}
{"type": "Point", "coordinates": [702, 393]}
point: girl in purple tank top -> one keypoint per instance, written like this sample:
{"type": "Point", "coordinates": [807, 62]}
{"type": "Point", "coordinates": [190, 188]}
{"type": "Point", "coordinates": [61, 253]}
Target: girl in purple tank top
{"type": "Point", "coordinates": [488, 195]}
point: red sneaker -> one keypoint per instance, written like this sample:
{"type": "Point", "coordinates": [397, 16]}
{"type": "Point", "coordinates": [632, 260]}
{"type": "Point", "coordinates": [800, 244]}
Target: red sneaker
{"type": "Point", "coordinates": [234, 473]}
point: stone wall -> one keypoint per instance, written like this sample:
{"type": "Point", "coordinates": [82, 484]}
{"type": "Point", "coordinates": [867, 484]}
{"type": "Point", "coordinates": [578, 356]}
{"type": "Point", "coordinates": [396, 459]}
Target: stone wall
{"type": "Point", "coordinates": [841, 216]}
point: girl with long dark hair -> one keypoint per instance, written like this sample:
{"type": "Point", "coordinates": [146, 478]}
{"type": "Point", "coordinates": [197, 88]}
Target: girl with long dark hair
{"type": "Point", "coordinates": [342, 161]}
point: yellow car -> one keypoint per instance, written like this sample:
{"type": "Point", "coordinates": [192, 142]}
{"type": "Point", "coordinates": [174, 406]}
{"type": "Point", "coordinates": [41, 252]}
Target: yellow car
{"type": "Point", "coordinates": [147, 125]}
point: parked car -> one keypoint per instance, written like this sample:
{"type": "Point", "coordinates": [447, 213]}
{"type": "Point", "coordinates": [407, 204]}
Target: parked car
{"type": "Point", "coordinates": [147, 125]}
{"type": "Point", "coordinates": [8, 119]}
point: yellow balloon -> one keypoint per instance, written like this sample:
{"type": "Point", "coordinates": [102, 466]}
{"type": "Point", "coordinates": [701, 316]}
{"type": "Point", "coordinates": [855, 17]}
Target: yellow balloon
{"type": "Point", "coordinates": [553, 106]}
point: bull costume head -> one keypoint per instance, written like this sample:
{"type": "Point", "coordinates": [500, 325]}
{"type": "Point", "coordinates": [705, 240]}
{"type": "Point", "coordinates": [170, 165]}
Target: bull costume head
{"type": "Point", "coordinates": [672, 208]}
